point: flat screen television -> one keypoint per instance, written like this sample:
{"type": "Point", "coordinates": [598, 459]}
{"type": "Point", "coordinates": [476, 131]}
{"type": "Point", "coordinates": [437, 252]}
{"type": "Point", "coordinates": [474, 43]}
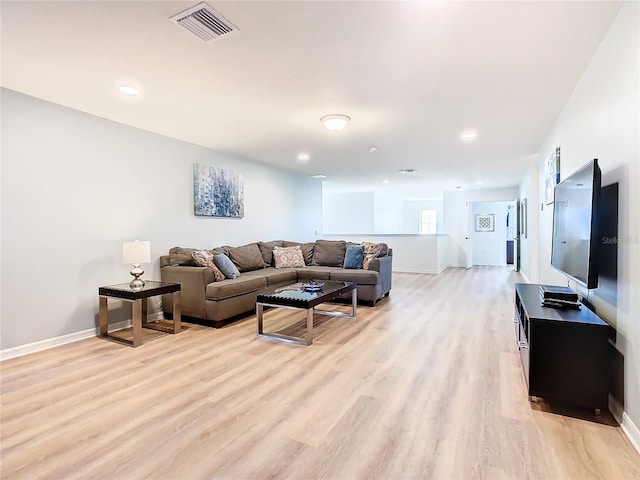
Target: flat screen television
{"type": "Point", "coordinates": [574, 245]}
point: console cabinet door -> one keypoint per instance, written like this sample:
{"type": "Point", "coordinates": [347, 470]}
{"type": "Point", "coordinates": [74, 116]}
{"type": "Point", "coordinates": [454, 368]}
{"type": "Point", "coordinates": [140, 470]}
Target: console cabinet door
{"type": "Point", "coordinates": [568, 362]}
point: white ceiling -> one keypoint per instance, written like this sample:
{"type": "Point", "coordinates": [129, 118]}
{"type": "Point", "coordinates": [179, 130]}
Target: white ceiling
{"type": "Point", "coordinates": [412, 76]}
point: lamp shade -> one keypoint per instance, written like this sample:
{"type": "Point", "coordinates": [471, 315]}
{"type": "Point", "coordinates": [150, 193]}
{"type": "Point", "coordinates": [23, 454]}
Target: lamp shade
{"type": "Point", "coordinates": [137, 252]}
{"type": "Point", "coordinates": [335, 122]}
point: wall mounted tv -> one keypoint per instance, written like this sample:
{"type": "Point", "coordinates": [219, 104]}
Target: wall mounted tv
{"type": "Point", "coordinates": [574, 245]}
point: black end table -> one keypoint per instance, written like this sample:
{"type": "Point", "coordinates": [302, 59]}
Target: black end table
{"type": "Point", "coordinates": [138, 297]}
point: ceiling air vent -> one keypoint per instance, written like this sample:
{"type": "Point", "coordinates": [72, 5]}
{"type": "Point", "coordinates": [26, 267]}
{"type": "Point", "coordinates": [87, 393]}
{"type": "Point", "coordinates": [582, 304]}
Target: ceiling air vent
{"type": "Point", "coordinates": [204, 22]}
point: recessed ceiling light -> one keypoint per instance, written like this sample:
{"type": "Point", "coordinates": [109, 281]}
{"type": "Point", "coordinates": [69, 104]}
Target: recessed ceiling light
{"type": "Point", "coordinates": [385, 181]}
{"type": "Point", "coordinates": [335, 122]}
{"type": "Point", "coordinates": [469, 135]}
{"type": "Point", "coordinates": [303, 157]}
{"type": "Point", "coordinates": [373, 149]}
{"type": "Point", "coordinates": [318, 176]}
{"type": "Point", "coordinates": [128, 90]}
{"type": "Point", "coordinates": [479, 182]}
{"type": "Point", "coordinates": [408, 170]}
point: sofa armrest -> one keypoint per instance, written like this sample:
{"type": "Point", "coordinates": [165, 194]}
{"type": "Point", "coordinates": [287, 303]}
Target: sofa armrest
{"type": "Point", "coordinates": [383, 265]}
{"type": "Point", "coordinates": [193, 282]}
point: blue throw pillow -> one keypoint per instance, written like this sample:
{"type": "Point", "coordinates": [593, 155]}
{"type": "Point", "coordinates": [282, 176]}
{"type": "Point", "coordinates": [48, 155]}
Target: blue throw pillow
{"type": "Point", "coordinates": [226, 266]}
{"type": "Point", "coordinates": [354, 256]}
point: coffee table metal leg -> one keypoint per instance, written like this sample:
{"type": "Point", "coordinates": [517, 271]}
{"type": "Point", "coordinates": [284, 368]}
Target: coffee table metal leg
{"type": "Point", "coordinates": [354, 301]}
{"type": "Point", "coordinates": [259, 313]}
{"type": "Point", "coordinates": [309, 326]}
{"type": "Point", "coordinates": [137, 322]}
{"type": "Point", "coordinates": [104, 316]}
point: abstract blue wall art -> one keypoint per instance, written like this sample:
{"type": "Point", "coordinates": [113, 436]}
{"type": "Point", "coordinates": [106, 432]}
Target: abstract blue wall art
{"type": "Point", "coordinates": [217, 192]}
{"type": "Point", "coordinates": [551, 175]}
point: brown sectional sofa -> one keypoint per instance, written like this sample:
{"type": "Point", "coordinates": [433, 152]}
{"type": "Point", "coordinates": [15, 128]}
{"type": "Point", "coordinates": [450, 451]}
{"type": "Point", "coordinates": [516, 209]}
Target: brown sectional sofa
{"type": "Point", "coordinates": [215, 302]}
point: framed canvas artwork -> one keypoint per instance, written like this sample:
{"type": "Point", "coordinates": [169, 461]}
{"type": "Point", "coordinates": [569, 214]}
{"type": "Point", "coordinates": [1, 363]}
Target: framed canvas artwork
{"type": "Point", "coordinates": [217, 192]}
{"type": "Point", "coordinates": [485, 222]}
{"type": "Point", "coordinates": [551, 175]}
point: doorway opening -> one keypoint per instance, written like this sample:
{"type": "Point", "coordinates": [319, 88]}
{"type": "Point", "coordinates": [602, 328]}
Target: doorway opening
{"type": "Point", "coordinates": [493, 228]}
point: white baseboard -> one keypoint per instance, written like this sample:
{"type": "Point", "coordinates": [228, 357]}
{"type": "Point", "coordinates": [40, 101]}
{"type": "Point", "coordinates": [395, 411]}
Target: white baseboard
{"type": "Point", "coordinates": [524, 275]}
{"type": "Point", "coordinates": [64, 339]}
{"type": "Point", "coordinates": [411, 270]}
{"type": "Point", "coordinates": [630, 429]}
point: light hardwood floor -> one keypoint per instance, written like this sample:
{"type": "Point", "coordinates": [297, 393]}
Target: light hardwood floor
{"type": "Point", "coordinates": [427, 384]}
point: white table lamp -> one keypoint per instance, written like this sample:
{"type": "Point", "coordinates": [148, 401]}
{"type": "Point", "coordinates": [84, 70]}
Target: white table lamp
{"type": "Point", "coordinates": [136, 253]}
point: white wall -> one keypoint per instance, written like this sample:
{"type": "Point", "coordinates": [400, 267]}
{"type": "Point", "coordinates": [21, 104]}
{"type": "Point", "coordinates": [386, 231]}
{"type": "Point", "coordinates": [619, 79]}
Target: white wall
{"type": "Point", "coordinates": [456, 220]}
{"type": "Point", "coordinates": [383, 209]}
{"type": "Point", "coordinates": [347, 212]}
{"type": "Point", "coordinates": [601, 120]}
{"type": "Point", "coordinates": [74, 186]}
{"type": "Point", "coordinates": [529, 245]}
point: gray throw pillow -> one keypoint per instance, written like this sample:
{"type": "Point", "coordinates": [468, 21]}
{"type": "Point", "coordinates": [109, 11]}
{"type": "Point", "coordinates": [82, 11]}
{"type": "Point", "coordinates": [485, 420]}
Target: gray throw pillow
{"type": "Point", "coordinates": [354, 257]}
{"type": "Point", "coordinates": [226, 266]}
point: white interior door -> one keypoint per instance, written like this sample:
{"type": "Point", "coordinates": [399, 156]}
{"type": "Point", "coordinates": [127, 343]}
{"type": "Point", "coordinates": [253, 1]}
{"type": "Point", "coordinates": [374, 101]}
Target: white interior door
{"type": "Point", "coordinates": [516, 238]}
{"type": "Point", "coordinates": [468, 239]}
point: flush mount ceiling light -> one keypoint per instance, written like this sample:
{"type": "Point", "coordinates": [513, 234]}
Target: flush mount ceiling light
{"type": "Point", "coordinates": [318, 176]}
{"type": "Point", "coordinates": [303, 157]}
{"type": "Point", "coordinates": [468, 136]}
{"type": "Point", "coordinates": [408, 171]}
{"type": "Point", "coordinates": [335, 122]}
{"type": "Point", "coordinates": [128, 90]}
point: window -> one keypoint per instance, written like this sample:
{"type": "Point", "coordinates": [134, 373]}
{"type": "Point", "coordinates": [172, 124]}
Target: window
{"type": "Point", "coordinates": [428, 221]}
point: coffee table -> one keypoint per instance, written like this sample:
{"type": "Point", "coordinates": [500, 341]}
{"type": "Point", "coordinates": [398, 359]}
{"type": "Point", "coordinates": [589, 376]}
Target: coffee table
{"type": "Point", "coordinates": [296, 298]}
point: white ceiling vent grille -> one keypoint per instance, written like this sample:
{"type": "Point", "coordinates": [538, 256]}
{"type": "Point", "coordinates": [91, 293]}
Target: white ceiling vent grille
{"type": "Point", "coordinates": [204, 22]}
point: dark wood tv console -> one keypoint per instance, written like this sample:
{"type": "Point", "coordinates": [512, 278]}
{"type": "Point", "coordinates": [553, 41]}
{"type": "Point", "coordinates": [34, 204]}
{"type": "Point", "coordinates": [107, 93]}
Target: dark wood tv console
{"type": "Point", "coordinates": [565, 353]}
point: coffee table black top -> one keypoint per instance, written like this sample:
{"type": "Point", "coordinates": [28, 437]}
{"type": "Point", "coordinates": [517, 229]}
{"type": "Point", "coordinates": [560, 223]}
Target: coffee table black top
{"type": "Point", "coordinates": [151, 288]}
{"type": "Point", "coordinates": [295, 296]}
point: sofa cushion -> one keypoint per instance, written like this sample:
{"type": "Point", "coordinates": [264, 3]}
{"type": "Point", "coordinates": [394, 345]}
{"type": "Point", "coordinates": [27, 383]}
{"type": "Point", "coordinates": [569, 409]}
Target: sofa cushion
{"type": "Point", "coordinates": [266, 249]}
{"type": "Point", "coordinates": [361, 277]}
{"type": "Point", "coordinates": [315, 272]}
{"type": "Point", "coordinates": [234, 287]}
{"type": "Point", "coordinates": [275, 276]}
{"type": "Point", "coordinates": [329, 253]}
{"type": "Point", "coordinates": [288, 257]}
{"type": "Point", "coordinates": [353, 257]}
{"type": "Point", "coordinates": [181, 256]}
{"type": "Point", "coordinates": [226, 266]}
{"type": "Point", "coordinates": [204, 258]}
{"type": "Point", "coordinates": [247, 257]}
{"type": "Point", "coordinates": [307, 250]}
